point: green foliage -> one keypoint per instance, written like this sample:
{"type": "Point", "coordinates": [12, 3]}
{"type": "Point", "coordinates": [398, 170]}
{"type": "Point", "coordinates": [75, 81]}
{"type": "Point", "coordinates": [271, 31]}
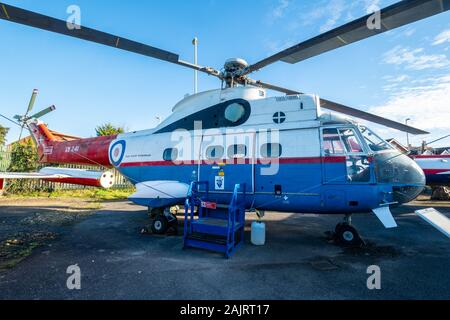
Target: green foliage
{"type": "Point", "coordinates": [3, 133]}
{"type": "Point", "coordinates": [24, 158]}
{"type": "Point", "coordinates": [108, 129]}
{"type": "Point", "coordinates": [94, 194]}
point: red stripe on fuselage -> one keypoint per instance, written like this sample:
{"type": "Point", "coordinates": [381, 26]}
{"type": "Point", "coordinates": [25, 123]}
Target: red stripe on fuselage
{"type": "Point", "coordinates": [442, 156]}
{"type": "Point", "coordinates": [434, 171]}
{"type": "Point", "coordinates": [237, 161]}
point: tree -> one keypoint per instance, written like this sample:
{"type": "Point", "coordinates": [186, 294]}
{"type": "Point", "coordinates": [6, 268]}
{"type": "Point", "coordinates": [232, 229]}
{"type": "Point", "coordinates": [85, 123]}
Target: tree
{"type": "Point", "coordinates": [108, 129]}
{"type": "Point", "coordinates": [24, 157]}
{"type": "Point", "coordinates": [3, 133]}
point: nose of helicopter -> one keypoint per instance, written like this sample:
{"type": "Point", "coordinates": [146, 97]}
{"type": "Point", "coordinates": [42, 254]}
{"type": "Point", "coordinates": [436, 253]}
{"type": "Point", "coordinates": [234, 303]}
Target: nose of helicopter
{"type": "Point", "coordinates": [403, 173]}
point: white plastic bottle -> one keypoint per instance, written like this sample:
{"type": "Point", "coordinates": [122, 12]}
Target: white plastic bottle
{"type": "Point", "coordinates": [258, 233]}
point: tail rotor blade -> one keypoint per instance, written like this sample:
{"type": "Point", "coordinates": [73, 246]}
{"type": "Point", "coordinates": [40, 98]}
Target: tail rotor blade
{"type": "Point", "coordinates": [21, 131]}
{"type": "Point", "coordinates": [32, 101]}
{"type": "Point", "coordinates": [43, 112]}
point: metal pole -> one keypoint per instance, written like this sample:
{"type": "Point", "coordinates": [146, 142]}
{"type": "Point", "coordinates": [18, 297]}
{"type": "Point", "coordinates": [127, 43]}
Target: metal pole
{"type": "Point", "coordinates": [195, 43]}
{"type": "Point", "coordinates": [407, 136]}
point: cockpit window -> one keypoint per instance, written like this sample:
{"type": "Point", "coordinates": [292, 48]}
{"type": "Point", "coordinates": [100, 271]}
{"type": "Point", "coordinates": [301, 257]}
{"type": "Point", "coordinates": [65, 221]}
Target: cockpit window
{"type": "Point", "coordinates": [350, 141]}
{"type": "Point", "coordinates": [374, 142]}
{"type": "Point", "coordinates": [332, 143]}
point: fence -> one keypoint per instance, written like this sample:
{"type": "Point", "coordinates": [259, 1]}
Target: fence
{"type": "Point", "coordinates": [119, 180]}
{"type": "Point", "coordinates": [5, 159]}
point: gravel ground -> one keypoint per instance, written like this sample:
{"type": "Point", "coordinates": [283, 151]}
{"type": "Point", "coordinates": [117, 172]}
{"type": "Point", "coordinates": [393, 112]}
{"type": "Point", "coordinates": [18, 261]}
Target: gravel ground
{"type": "Point", "coordinates": [298, 262]}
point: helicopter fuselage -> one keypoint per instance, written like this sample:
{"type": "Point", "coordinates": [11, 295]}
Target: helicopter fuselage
{"type": "Point", "coordinates": [290, 156]}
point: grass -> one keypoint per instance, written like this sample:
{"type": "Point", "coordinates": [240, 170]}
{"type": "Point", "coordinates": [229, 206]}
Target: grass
{"type": "Point", "coordinates": [92, 194]}
{"type": "Point", "coordinates": [20, 246]}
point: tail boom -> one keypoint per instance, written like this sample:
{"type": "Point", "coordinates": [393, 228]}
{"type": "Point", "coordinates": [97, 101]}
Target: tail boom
{"type": "Point", "coordinates": [89, 151]}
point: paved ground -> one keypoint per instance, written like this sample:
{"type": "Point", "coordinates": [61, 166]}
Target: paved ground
{"type": "Point", "coordinates": [298, 261]}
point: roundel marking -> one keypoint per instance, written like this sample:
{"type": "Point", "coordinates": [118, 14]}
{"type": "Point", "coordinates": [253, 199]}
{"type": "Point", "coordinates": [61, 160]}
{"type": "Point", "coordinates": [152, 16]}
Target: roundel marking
{"type": "Point", "coordinates": [117, 152]}
{"type": "Point", "coordinates": [279, 117]}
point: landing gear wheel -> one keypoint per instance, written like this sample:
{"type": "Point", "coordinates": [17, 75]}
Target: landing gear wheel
{"type": "Point", "coordinates": [348, 235]}
{"type": "Point", "coordinates": [154, 212]}
{"type": "Point", "coordinates": [338, 227]}
{"type": "Point", "coordinates": [160, 225]}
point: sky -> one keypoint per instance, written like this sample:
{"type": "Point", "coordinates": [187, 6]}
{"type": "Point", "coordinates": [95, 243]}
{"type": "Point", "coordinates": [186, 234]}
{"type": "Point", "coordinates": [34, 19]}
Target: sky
{"type": "Point", "coordinates": [404, 73]}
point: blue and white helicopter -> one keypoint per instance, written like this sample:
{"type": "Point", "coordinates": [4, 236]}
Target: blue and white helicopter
{"type": "Point", "coordinates": [289, 153]}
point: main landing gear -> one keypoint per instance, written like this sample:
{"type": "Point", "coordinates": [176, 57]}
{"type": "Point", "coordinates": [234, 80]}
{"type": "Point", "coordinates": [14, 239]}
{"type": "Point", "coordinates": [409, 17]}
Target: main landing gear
{"type": "Point", "coordinates": [346, 234]}
{"type": "Point", "coordinates": [162, 220]}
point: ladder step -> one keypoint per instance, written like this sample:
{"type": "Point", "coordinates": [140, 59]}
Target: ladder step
{"type": "Point", "coordinates": [208, 238]}
{"type": "Point", "coordinates": [212, 230]}
{"type": "Point", "coordinates": [213, 226]}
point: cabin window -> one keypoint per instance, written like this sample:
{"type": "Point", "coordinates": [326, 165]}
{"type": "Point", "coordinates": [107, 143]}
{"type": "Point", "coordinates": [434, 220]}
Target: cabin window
{"type": "Point", "coordinates": [170, 154]}
{"type": "Point", "coordinates": [237, 151]}
{"type": "Point", "coordinates": [227, 114]}
{"type": "Point", "coordinates": [271, 150]}
{"type": "Point", "coordinates": [214, 152]}
{"type": "Point", "coordinates": [234, 112]}
{"type": "Point", "coordinates": [332, 143]}
{"type": "Point", "coordinates": [350, 141]}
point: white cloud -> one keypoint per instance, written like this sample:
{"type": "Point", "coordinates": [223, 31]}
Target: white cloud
{"type": "Point", "coordinates": [371, 4]}
{"type": "Point", "coordinates": [334, 10]}
{"type": "Point", "coordinates": [443, 37]}
{"type": "Point", "coordinates": [415, 59]}
{"type": "Point", "coordinates": [409, 32]}
{"type": "Point", "coordinates": [427, 106]}
{"type": "Point", "coordinates": [278, 45]}
{"type": "Point", "coordinates": [400, 78]}
{"type": "Point", "coordinates": [279, 11]}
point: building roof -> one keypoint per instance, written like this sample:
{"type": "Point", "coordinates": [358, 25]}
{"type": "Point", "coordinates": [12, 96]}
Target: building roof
{"type": "Point", "coordinates": [398, 145]}
{"type": "Point", "coordinates": [58, 135]}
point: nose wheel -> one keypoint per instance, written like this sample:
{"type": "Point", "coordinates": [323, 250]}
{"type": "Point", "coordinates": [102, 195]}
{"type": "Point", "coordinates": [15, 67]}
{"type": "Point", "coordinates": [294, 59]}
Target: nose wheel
{"type": "Point", "coordinates": [346, 234]}
{"type": "Point", "coordinates": [162, 221]}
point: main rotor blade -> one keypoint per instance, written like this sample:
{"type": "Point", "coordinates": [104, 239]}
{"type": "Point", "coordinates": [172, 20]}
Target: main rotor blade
{"type": "Point", "coordinates": [32, 101]}
{"type": "Point", "coordinates": [394, 16]}
{"type": "Point", "coordinates": [36, 20]}
{"type": "Point", "coordinates": [330, 105]}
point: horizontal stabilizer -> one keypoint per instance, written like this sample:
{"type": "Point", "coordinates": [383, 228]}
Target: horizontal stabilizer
{"type": "Point", "coordinates": [385, 216]}
{"type": "Point", "coordinates": [30, 175]}
{"type": "Point", "coordinates": [436, 219]}
{"type": "Point", "coordinates": [65, 175]}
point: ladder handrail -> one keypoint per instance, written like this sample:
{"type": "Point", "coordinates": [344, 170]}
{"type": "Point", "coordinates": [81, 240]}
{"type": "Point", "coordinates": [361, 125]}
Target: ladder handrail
{"type": "Point", "coordinates": [192, 200]}
{"type": "Point", "coordinates": [235, 216]}
{"type": "Point", "coordinates": [234, 207]}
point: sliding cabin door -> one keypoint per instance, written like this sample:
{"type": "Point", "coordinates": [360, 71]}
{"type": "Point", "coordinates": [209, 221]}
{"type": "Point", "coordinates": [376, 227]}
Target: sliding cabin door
{"type": "Point", "coordinates": [226, 160]}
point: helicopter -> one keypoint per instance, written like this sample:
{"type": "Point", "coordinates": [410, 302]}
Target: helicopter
{"type": "Point", "coordinates": [290, 154]}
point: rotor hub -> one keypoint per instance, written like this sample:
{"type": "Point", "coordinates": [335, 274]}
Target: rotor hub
{"type": "Point", "coordinates": [233, 70]}
{"type": "Point", "coordinates": [233, 65]}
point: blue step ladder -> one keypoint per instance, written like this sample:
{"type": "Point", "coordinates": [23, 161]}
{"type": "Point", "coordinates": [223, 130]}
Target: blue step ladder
{"type": "Point", "coordinates": [218, 227]}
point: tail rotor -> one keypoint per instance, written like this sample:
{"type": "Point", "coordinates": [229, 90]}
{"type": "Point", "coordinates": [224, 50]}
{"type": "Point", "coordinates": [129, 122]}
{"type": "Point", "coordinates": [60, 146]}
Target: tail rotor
{"type": "Point", "coordinates": [25, 118]}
